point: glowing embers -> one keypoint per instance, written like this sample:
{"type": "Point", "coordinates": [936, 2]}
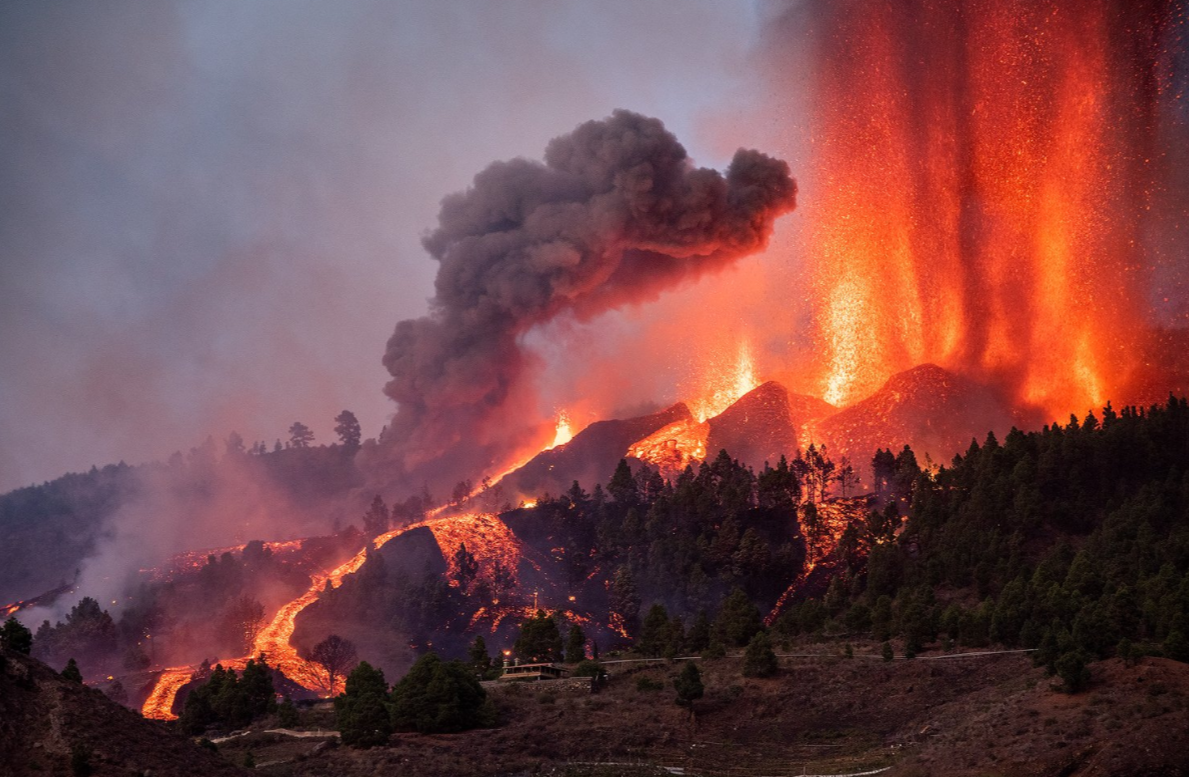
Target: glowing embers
{"type": "Point", "coordinates": [674, 447]}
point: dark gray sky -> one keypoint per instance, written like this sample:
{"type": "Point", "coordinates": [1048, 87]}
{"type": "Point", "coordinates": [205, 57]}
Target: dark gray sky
{"type": "Point", "coordinates": [211, 211]}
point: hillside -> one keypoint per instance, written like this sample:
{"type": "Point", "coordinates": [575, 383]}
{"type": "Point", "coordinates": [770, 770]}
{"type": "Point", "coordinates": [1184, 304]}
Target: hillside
{"type": "Point", "coordinates": [931, 409]}
{"type": "Point", "coordinates": [950, 717]}
{"type": "Point", "coordinates": [49, 725]}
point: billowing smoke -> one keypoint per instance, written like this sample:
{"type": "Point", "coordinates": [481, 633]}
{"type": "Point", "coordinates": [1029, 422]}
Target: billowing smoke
{"type": "Point", "coordinates": [615, 214]}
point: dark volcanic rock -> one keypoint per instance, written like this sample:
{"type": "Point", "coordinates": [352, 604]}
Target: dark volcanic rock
{"type": "Point", "coordinates": [757, 428]}
{"type": "Point", "coordinates": [590, 457]}
{"type": "Point", "coordinates": [413, 554]}
{"type": "Point", "coordinates": [931, 409]}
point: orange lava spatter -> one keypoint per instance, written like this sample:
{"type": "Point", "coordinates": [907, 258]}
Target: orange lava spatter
{"type": "Point", "coordinates": [980, 179]}
{"type": "Point", "coordinates": [674, 447]}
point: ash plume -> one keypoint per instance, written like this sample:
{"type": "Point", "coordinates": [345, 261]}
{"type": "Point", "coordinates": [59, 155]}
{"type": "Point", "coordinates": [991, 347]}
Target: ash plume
{"type": "Point", "coordinates": [616, 214]}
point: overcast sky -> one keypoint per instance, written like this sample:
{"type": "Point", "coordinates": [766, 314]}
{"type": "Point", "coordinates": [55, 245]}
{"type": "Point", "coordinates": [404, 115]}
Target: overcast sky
{"type": "Point", "coordinates": [211, 211]}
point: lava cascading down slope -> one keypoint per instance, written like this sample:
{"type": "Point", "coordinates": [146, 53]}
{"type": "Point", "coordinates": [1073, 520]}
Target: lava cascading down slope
{"type": "Point", "coordinates": [273, 641]}
{"type": "Point", "coordinates": [982, 175]}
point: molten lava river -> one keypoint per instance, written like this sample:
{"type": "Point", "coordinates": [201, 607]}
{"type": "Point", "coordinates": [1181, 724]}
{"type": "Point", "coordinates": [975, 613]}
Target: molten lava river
{"type": "Point", "coordinates": [486, 537]}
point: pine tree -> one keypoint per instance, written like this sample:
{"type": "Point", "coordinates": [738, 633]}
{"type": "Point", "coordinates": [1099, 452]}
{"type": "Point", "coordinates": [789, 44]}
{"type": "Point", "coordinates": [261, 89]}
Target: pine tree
{"type": "Point", "coordinates": [1071, 668]}
{"type": "Point", "coordinates": [478, 655]}
{"type": "Point", "coordinates": [688, 685]}
{"type": "Point", "coordinates": [622, 486]}
{"type": "Point", "coordinates": [377, 518]}
{"type": "Point", "coordinates": [300, 435]}
{"type": "Point", "coordinates": [466, 568]}
{"type": "Point", "coordinates": [738, 620]}
{"type": "Point", "coordinates": [759, 660]}
{"type": "Point", "coordinates": [348, 429]}
{"type": "Point", "coordinates": [575, 645]}
{"type": "Point", "coordinates": [15, 637]}
{"type": "Point", "coordinates": [72, 673]}
{"type": "Point", "coordinates": [362, 711]}
{"type": "Point", "coordinates": [654, 634]}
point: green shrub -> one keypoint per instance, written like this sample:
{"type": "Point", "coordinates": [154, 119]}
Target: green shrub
{"type": "Point", "coordinates": [647, 684]}
{"type": "Point", "coordinates": [438, 696]}
{"type": "Point", "coordinates": [759, 660]}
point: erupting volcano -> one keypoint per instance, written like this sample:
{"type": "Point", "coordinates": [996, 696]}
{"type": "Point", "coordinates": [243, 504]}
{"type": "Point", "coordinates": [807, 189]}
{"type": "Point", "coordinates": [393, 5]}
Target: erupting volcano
{"type": "Point", "coordinates": [991, 241]}
{"type": "Point", "coordinates": [990, 190]}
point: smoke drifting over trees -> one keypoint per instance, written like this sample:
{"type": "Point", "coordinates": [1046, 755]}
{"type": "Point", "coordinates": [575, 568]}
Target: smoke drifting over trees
{"type": "Point", "coordinates": [615, 214]}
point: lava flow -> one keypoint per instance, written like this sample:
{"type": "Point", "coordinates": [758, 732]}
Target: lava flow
{"type": "Point", "coordinates": [486, 537]}
{"type": "Point", "coordinates": [683, 443]}
{"type": "Point", "coordinates": [821, 544]}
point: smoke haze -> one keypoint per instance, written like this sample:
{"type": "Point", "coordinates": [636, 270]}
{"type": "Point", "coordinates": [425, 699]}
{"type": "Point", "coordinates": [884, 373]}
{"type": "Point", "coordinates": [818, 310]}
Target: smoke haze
{"type": "Point", "coordinates": [212, 211]}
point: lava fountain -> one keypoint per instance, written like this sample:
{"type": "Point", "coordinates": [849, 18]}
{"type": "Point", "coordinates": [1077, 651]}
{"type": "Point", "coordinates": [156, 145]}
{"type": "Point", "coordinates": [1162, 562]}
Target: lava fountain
{"type": "Point", "coordinates": [982, 176]}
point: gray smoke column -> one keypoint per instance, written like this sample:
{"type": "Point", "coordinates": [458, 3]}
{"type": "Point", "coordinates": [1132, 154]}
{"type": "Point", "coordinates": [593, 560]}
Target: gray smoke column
{"type": "Point", "coordinates": [615, 214]}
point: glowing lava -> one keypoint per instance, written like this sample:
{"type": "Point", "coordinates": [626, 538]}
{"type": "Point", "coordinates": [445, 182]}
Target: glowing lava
{"type": "Point", "coordinates": [159, 704]}
{"type": "Point", "coordinates": [563, 433]}
{"type": "Point", "coordinates": [674, 447]}
{"type": "Point", "coordinates": [721, 384]}
{"type": "Point", "coordinates": [683, 443]}
{"type": "Point", "coordinates": [981, 186]}
{"type": "Point", "coordinates": [487, 538]}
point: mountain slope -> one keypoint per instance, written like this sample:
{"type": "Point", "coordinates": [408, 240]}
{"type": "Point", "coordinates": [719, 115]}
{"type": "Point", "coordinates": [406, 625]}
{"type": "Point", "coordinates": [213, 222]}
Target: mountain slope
{"type": "Point", "coordinates": [931, 409]}
{"type": "Point", "coordinates": [45, 720]}
{"type": "Point", "coordinates": [590, 457]}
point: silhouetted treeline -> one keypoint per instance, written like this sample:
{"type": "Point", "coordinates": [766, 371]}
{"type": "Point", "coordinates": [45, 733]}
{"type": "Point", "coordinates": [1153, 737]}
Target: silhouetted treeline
{"type": "Point", "coordinates": [1073, 539]}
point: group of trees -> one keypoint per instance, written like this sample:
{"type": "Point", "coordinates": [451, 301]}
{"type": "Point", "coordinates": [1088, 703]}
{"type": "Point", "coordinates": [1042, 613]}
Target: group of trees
{"type": "Point", "coordinates": [684, 543]}
{"type": "Point", "coordinates": [1073, 540]}
{"type": "Point", "coordinates": [435, 696]}
{"type": "Point", "coordinates": [736, 622]}
{"type": "Point", "coordinates": [346, 428]}
{"type": "Point", "coordinates": [88, 632]}
{"type": "Point", "coordinates": [223, 700]}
